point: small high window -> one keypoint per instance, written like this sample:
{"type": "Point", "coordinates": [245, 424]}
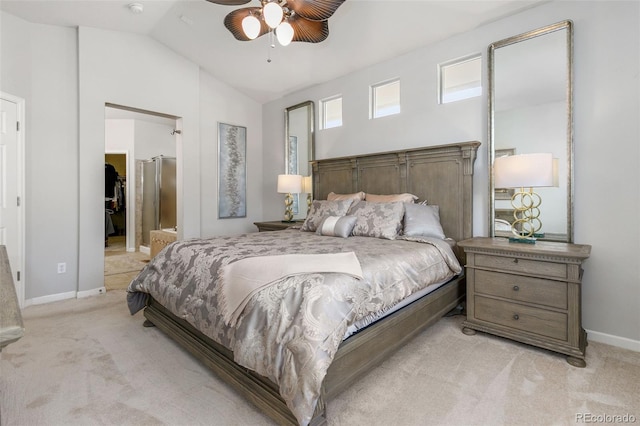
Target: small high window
{"type": "Point", "coordinates": [385, 98]}
{"type": "Point", "coordinates": [331, 112]}
{"type": "Point", "coordinates": [460, 79]}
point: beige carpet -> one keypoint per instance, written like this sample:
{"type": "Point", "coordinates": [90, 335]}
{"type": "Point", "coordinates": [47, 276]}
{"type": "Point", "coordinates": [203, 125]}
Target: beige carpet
{"type": "Point", "coordinates": [88, 362]}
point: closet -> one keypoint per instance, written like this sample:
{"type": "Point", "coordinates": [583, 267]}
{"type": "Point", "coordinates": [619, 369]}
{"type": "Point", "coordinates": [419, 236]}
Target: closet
{"type": "Point", "coordinates": [115, 200]}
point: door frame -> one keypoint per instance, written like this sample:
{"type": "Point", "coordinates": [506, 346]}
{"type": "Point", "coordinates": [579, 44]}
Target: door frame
{"type": "Point", "coordinates": [21, 116]}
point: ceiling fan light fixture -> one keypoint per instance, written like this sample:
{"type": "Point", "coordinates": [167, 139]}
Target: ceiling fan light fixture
{"type": "Point", "coordinates": [251, 26]}
{"type": "Point", "coordinates": [284, 33]}
{"type": "Point", "coordinates": [273, 14]}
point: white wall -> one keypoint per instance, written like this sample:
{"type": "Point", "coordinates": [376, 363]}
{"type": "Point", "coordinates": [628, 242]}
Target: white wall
{"type": "Point", "coordinates": [153, 139]}
{"type": "Point", "coordinates": [607, 153]}
{"type": "Point", "coordinates": [66, 76]}
{"type": "Point", "coordinates": [219, 103]}
{"type": "Point", "coordinates": [39, 64]}
{"type": "Point", "coordinates": [149, 82]}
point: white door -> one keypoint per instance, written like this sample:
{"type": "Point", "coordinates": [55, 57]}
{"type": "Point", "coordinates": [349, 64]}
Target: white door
{"type": "Point", "coordinates": [10, 169]}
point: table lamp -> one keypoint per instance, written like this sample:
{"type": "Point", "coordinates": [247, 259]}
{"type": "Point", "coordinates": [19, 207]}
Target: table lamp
{"type": "Point", "coordinates": [289, 184]}
{"type": "Point", "coordinates": [525, 171]}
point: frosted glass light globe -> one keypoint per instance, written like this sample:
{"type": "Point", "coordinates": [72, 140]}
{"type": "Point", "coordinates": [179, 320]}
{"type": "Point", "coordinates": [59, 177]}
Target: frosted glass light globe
{"type": "Point", "coordinates": [284, 32]}
{"type": "Point", "coordinates": [273, 14]}
{"type": "Point", "coordinates": [251, 26]}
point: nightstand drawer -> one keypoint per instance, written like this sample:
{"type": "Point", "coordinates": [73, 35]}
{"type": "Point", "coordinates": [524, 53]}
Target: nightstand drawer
{"type": "Point", "coordinates": [521, 317]}
{"type": "Point", "coordinates": [521, 288]}
{"type": "Point", "coordinates": [524, 266]}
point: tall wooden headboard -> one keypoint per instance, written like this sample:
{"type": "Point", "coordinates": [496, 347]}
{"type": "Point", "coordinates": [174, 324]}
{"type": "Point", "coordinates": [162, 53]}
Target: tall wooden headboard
{"type": "Point", "coordinates": [442, 175]}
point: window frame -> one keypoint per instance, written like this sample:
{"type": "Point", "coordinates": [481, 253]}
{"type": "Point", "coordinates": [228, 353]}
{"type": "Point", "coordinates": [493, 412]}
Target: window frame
{"type": "Point", "coordinates": [441, 78]}
{"type": "Point", "coordinates": [323, 111]}
{"type": "Point", "coordinates": [373, 112]}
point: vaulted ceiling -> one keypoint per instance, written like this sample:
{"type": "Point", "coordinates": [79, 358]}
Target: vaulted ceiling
{"type": "Point", "coordinates": [362, 33]}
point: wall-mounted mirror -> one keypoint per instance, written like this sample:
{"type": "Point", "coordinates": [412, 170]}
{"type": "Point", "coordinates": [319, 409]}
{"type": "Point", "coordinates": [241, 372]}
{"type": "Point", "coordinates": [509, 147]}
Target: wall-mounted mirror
{"type": "Point", "coordinates": [299, 148]}
{"type": "Point", "coordinates": [530, 111]}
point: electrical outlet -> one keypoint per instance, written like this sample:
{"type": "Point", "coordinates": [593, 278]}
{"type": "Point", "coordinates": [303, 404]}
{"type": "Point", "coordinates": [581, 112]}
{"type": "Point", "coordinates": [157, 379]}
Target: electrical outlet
{"type": "Point", "coordinates": [62, 268]}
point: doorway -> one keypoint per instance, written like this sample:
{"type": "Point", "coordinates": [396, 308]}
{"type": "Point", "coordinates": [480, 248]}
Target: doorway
{"type": "Point", "coordinates": [12, 217]}
{"type": "Point", "coordinates": [132, 137]}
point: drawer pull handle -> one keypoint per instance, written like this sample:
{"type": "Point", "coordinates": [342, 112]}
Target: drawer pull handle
{"type": "Point", "coordinates": [516, 288]}
{"type": "Point", "coordinates": [516, 317]}
{"type": "Point", "coordinates": [515, 260]}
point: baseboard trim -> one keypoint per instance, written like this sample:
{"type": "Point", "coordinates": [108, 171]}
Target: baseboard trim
{"type": "Point", "coordinates": [50, 298]}
{"type": "Point", "coordinates": [609, 339]}
{"type": "Point", "coordinates": [92, 292]}
{"type": "Point", "coordinates": [145, 250]}
{"type": "Point", "coordinates": [64, 296]}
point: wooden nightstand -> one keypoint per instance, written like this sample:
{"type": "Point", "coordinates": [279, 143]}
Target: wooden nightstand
{"type": "Point", "coordinates": [276, 225]}
{"type": "Point", "coordinates": [527, 292]}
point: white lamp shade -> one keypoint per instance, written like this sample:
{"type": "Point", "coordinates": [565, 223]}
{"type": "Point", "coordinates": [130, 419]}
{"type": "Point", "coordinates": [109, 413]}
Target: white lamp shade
{"type": "Point", "coordinates": [273, 14]}
{"type": "Point", "coordinates": [251, 26]}
{"type": "Point", "coordinates": [289, 184]}
{"type": "Point", "coordinates": [525, 170]}
{"type": "Point", "coordinates": [284, 32]}
{"type": "Point", "coordinates": [307, 185]}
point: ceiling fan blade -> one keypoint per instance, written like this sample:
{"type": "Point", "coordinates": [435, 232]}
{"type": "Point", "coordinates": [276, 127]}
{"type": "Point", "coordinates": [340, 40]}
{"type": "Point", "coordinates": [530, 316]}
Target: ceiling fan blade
{"type": "Point", "coordinates": [314, 10]}
{"type": "Point", "coordinates": [233, 22]}
{"type": "Point", "coordinates": [229, 2]}
{"type": "Point", "coordinates": [308, 31]}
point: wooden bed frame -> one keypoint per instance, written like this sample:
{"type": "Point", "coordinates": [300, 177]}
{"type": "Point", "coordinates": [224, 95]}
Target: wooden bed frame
{"type": "Point", "coordinates": [442, 175]}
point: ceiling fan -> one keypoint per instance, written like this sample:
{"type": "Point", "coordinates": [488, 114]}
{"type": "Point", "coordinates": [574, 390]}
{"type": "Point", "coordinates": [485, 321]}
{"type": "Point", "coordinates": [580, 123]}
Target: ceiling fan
{"type": "Point", "coordinates": [292, 20]}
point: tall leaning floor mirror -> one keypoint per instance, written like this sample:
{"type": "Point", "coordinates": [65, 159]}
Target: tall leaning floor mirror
{"type": "Point", "coordinates": [299, 150]}
{"type": "Point", "coordinates": [531, 111]}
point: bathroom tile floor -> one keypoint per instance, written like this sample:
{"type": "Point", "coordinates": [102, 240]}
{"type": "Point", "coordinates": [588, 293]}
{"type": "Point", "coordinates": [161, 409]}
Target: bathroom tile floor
{"type": "Point", "coordinates": [121, 266]}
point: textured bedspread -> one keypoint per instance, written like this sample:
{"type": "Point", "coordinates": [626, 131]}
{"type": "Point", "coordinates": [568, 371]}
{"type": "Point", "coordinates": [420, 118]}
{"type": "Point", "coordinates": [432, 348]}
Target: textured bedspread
{"type": "Point", "coordinates": [290, 330]}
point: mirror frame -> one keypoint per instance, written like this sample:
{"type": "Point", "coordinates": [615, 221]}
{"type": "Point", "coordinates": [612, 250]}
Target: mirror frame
{"type": "Point", "coordinates": [309, 105]}
{"type": "Point", "coordinates": [563, 25]}
{"type": "Point", "coordinates": [311, 135]}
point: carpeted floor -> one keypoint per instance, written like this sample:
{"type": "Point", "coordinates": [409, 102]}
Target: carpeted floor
{"type": "Point", "coordinates": [88, 362]}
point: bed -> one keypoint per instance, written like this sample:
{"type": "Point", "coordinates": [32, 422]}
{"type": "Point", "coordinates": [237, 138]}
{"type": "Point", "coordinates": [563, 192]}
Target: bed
{"type": "Point", "coordinates": [327, 354]}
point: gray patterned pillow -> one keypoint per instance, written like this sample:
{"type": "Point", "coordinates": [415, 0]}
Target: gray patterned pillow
{"type": "Point", "coordinates": [379, 220]}
{"type": "Point", "coordinates": [422, 221]}
{"type": "Point", "coordinates": [321, 208]}
{"type": "Point", "coordinates": [336, 226]}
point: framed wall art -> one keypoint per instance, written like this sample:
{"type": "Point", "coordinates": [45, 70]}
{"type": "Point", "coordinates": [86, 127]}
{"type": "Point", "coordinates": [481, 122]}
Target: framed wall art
{"type": "Point", "coordinates": [292, 167]}
{"type": "Point", "coordinates": [232, 171]}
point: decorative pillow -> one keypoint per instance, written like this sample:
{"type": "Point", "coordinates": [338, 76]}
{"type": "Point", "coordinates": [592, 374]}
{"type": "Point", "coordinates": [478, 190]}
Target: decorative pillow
{"type": "Point", "coordinates": [380, 220]}
{"type": "Point", "coordinates": [357, 196]}
{"type": "Point", "coordinates": [321, 208]}
{"type": "Point", "coordinates": [403, 198]}
{"type": "Point", "coordinates": [422, 220]}
{"type": "Point", "coordinates": [336, 226]}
